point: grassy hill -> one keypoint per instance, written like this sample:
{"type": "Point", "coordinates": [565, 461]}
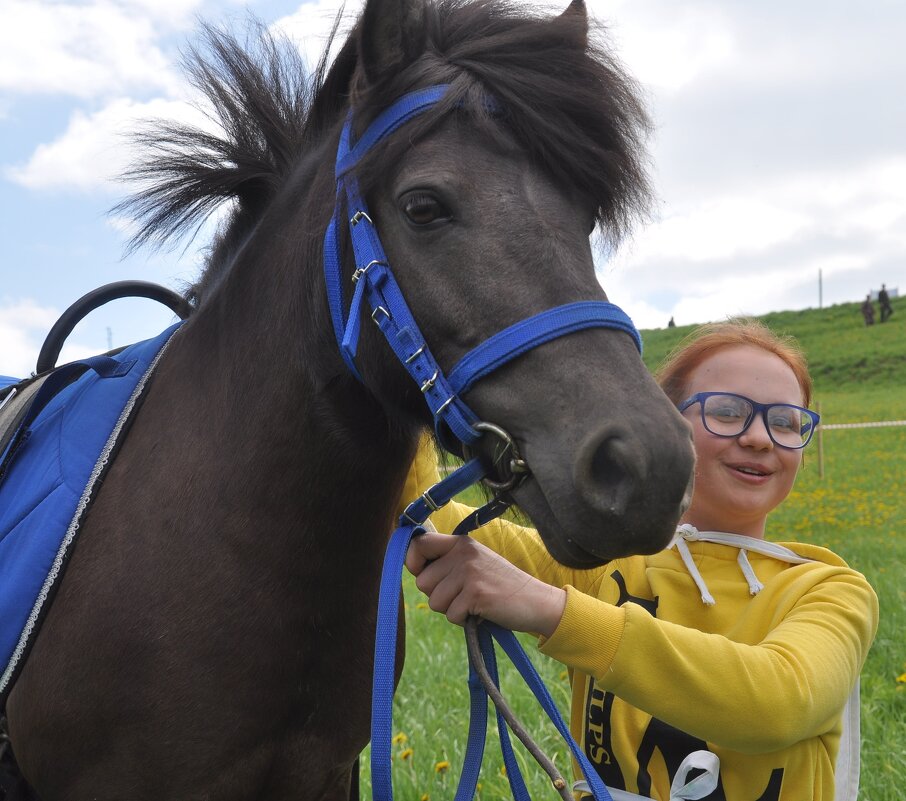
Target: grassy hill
{"type": "Point", "coordinates": [844, 354]}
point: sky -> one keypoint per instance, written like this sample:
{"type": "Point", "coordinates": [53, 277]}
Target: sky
{"type": "Point", "coordinates": [778, 155]}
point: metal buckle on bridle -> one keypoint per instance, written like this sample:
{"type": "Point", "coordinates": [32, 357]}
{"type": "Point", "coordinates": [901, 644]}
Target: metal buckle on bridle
{"type": "Point", "coordinates": [362, 270]}
{"type": "Point", "coordinates": [508, 464]}
{"type": "Point", "coordinates": [380, 310]}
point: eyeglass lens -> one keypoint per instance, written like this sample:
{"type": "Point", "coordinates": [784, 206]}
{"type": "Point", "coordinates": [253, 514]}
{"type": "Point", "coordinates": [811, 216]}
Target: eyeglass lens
{"type": "Point", "coordinates": [728, 416]}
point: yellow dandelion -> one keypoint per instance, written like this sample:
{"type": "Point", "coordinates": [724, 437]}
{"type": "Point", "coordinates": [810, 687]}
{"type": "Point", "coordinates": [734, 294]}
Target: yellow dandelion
{"type": "Point", "coordinates": [421, 605]}
{"type": "Point", "coordinates": [399, 738]}
{"type": "Point", "coordinates": [406, 753]}
{"type": "Point", "coordinates": [901, 679]}
{"type": "Point", "coordinates": [442, 767]}
{"type": "Point", "coordinates": [425, 797]}
{"type": "Point", "coordinates": [503, 770]}
{"type": "Point", "coordinates": [564, 675]}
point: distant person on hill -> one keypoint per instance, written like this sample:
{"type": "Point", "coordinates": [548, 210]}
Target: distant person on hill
{"type": "Point", "coordinates": [671, 323]}
{"type": "Point", "coordinates": [868, 311]}
{"type": "Point", "coordinates": [884, 303]}
{"type": "Point", "coordinates": [725, 659]}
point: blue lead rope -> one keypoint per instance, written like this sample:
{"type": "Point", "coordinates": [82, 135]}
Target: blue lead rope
{"type": "Point", "coordinates": [478, 716]}
{"type": "Point", "coordinates": [385, 659]}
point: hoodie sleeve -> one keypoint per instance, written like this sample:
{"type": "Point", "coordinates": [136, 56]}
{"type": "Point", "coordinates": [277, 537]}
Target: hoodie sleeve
{"type": "Point", "coordinates": [786, 686]}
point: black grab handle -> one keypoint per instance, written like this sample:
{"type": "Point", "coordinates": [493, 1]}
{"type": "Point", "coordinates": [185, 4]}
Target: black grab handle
{"type": "Point", "coordinates": [62, 328]}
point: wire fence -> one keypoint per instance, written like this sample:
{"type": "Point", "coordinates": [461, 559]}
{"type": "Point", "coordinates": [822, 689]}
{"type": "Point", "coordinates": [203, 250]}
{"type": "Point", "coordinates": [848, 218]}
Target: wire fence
{"type": "Point", "coordinates": [842, 426]}
{"type": "Point", "coordinates": [881, 424]}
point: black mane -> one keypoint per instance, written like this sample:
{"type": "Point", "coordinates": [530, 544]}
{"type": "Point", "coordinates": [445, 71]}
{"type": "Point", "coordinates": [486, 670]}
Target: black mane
{"type": "Point", "coordinates": [559, 91]}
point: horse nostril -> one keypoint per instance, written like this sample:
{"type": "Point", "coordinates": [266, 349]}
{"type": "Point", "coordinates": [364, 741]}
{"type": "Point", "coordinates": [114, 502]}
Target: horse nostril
{"type": "Point", "coordinates": [607, 470]}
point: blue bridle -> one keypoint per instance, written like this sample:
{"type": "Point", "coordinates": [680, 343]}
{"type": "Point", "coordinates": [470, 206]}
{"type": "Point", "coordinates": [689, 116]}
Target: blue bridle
{"type": "Point", "coordinates": [374, 282]}
{"type": "Point", "coordinates": [375, 285]}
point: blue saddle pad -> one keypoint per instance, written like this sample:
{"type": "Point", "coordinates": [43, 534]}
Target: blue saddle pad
{"type": "Point", "coordinates": [48, 474]}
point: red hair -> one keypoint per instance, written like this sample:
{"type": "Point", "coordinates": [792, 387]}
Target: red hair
{"type": "Point", "coordinates": [673, 374]}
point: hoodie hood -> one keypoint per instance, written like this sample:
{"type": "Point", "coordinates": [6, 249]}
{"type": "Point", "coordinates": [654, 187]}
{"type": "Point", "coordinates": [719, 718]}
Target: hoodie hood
{"type": "Point", "coordinates": [803, 553]}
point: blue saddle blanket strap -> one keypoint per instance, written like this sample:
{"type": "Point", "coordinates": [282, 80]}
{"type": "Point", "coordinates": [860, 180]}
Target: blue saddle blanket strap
{"type": "Point", "coordinates": [64, 445]}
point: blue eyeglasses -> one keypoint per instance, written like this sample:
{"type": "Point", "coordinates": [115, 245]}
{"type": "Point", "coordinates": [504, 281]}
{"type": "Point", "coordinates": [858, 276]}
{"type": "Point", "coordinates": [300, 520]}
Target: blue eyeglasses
{"type": "Point", "coordinates": [726, 414]}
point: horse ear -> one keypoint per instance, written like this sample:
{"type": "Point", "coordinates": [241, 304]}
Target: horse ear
{"type": "Point", "coordinates": [391, 35]}
{"type": "Point", "coordinates": [578, 14]}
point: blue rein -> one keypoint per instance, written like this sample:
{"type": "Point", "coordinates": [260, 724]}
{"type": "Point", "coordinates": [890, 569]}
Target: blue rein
{"type": "Point", "coordinates": [375, 285]}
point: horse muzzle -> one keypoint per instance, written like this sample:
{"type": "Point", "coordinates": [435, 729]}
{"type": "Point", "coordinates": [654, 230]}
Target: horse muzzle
{"type": "Point", "coordinates": [626, 495]}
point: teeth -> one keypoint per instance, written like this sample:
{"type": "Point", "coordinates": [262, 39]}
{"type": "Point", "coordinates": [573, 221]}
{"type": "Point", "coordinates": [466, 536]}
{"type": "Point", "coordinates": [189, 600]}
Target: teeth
{"type": "Point", "coordinates": [749, 471]}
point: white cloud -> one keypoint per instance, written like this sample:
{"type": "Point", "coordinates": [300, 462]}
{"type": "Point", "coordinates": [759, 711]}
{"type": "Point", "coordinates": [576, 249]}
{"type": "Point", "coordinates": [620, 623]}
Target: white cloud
{"type": "Point", "coordinates": [86, 50]}
{"type": "Point", "coordinates": [669, 46]}
{"type": "Point", "coordinates": [753, 251]}
{"type": "Point", "coordinates": [175, 13]}
{"type": "Point", "coordinates": [23, 325]}
{"type": "Point", "coordinates": [309, 26]}
{"type": "Point", "coordinates": [721, 228]}
{"type": "Point", "coordinates": [95, 148]}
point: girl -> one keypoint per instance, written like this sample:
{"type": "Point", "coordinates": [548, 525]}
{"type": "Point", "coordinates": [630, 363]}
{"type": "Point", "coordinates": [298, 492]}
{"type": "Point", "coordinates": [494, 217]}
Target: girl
{"type": "Point", "coordinates": [724, 662]}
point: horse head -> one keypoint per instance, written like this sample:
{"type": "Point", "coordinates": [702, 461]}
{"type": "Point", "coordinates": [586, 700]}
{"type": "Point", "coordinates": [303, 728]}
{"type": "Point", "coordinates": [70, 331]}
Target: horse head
{"type": "Point", "coordinates": [484, 206]}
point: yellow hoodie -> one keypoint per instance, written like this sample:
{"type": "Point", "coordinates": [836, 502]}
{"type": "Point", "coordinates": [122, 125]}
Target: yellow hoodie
{"type": "Point", "coordinates": [703, 647]}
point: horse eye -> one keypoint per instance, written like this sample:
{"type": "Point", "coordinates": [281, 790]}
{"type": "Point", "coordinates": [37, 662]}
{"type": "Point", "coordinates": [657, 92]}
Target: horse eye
{"type": "Point", "coordinates": [424, 209]}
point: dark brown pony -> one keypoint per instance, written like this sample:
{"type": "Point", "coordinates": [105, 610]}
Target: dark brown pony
{"type": "Point", "coordinates": [212, 637]}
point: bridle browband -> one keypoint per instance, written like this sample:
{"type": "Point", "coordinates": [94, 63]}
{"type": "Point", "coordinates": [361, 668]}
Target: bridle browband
{"type": "Point", "coordinates": [375, 284]}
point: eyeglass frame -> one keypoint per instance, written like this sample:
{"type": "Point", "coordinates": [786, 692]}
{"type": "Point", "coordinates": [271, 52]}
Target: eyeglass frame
{"type": "Point", "coordinates": [701, 397]}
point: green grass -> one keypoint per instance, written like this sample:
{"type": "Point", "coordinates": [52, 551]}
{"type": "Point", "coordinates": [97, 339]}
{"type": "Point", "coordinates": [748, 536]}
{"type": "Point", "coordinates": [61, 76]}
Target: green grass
{"type": "Point", "coordinates": [857, 509]}
{"type": "Point", "coordinates": [842, 350]}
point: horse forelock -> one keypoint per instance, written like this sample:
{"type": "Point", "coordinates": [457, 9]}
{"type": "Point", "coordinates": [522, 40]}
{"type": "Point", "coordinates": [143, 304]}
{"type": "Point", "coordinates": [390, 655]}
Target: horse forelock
{"type": "Point", "coordinates": [560, 92]}
{"type": "Point", "coordinates": [558, 89]}
{"type": "Point", "coordinates": [261, 95]}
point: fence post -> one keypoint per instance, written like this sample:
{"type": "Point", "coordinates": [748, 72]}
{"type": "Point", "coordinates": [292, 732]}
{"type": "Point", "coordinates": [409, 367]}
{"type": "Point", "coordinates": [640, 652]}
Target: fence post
{"type": "Point", "coordinates": [820, 444]}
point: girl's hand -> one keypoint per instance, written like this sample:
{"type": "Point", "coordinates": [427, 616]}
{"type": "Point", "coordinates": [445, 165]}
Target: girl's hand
{"type": "Point", "coordinates": [461, 577]}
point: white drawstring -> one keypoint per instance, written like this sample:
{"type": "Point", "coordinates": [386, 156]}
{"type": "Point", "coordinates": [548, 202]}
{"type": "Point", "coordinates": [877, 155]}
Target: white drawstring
{"type": "Point", "coordinates": [686, 556]}
{"type": "Point", "coordinates": [755, 586]}
{"type": "Point", "coordinates": [689, 533]}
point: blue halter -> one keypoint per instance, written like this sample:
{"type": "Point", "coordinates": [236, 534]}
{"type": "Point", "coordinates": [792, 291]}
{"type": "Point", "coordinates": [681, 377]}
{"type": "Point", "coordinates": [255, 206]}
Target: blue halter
{"type": "Point", "coordinates": [375, 285]}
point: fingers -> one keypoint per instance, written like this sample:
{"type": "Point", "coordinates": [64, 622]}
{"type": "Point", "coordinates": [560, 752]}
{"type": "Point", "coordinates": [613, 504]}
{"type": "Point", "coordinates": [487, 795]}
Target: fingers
{"type": "Point", "coordinates": [447, 597]}
{"type": "Point", "coordinates": [445, 567]}
{"type": "Point", "coordinates": [461, 577]}
{"type": "Point", "coordinates": [426, 548]}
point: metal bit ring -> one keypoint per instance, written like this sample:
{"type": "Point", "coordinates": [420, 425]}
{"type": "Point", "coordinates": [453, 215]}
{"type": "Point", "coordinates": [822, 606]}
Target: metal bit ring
{"type": "Point", "coordinates": [510, 467]}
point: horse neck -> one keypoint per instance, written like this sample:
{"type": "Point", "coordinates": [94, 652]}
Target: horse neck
{"type": "Point", "coordinates": [261, 360]}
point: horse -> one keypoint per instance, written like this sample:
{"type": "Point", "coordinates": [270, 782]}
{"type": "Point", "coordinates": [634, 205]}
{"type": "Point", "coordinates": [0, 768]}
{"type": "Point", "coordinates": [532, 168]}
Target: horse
{"type": "Point", "coordinates": [212, 636]}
